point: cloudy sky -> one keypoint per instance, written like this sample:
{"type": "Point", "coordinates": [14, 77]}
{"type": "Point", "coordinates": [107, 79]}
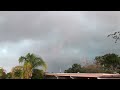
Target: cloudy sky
{"type": "Point", "coordinates": [61, 38]}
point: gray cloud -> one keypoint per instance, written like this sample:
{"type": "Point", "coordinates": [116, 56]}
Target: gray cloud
{"type": "Point", "coordinates": [61, 38]}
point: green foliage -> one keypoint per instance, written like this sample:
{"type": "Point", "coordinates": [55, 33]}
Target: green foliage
{"type": "Point", "coordinates": [37, 74]}
{"type": "Point", "coordinates": [33, 60]}
{"type": "Point", "coordinates": [27, 70]}
{"type": "Point", "coordinates": [30, 63]}
{"type": "Point", "coordinates": [17, 72]}
{"type": "Point", "coordinates": [109, 61]}
{"type": "Point", "coordinates": [9, 75]}
{"type": "Point", "coordinates": [2, 73]}
{"type": "Point", "coordinates": [75, 69]}
{"type": "Point", "coordinates": [93, 68]}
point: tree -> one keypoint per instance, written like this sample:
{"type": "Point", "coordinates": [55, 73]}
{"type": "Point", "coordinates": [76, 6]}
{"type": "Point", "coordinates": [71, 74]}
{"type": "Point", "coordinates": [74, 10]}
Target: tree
{"type": "Point", "coordinates": [75, 69]}
{"type": "Point", "coordinates": [93, 68]}
{"type": "Point", "coordinates": [37, 74]}
{"type": "Point", "coordinates": [27, 70]}
{"type": "Point", "coordinates": [2, 73]}
{"type": "Point", "coordinates": [17, 72]}
{"type": "Point", "coordinates": [109, 61]}
{"type": "Point", "coordinates": [31, 62]}
{"type": "Point", "coordinates": [9, 75]}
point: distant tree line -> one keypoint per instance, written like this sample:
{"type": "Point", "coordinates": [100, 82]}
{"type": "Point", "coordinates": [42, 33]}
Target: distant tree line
{"type": "Point", "coordinates": [108, 63]}
{"type": "Point", "coordinates": [29, 67]}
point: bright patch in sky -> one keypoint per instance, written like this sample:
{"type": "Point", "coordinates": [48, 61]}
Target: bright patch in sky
{"type": "Point", "coordinates": [4, 51]}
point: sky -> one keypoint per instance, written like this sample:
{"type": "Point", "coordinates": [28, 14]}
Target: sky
{"type": "Point", "coordinates": [61, 38]}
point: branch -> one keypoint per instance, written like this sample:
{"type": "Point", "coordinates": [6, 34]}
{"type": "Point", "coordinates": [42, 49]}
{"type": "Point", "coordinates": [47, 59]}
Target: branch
{"type": "Point", "coordinates": [115, 35]}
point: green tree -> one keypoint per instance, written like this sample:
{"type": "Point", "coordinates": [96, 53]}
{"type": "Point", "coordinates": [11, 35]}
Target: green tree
{"type": "Point", "coordinates": [31, 62]}
{"type": "Point", "coordinates": [17, 72]}
{"type": "Point", "coordinates": [37, 74]}
{"type": "Point", "coordinates": [93, 68]}
{"type": "Point", "coordinates": [109, 62]}
{"type": "Point", "coordinates": [27, 70]}
{"type": "Point", "coordinates": [74, 69]}
{"type": "Point", "coordinates": [9, 75]}
{"type": "Point", "coordinates": [2, 73]}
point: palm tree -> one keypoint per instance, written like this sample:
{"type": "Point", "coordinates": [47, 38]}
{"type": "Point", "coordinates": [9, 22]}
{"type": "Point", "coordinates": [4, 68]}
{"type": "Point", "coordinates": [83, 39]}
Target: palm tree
{"type": "Point", "coordinates": [27, 70]}
{"type": "Point", "coordinates": [33, 60]}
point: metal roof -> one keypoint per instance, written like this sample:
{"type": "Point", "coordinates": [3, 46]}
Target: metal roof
{"type": "Point", "coordinates": [96, 75]}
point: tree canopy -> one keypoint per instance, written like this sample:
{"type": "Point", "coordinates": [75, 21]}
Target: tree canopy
{"type": "Point", "coordinates": [17, 72]}
{"type": "Point", "coordinates": [2, 73]}
{"type": "Point", "coordinates": [109, 61]}
{"type": "Point", "coordinates": [37, 74]}
{"type": "Point", "coordinates": [34, 60]}
{"type": "Point", "coordinates": [74, 69]}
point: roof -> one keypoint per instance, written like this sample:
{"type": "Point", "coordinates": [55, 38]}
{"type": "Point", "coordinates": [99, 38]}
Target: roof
{"type": "Point", "coordinates": [102, 75]}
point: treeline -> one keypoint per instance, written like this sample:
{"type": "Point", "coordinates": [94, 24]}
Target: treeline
{"type": "Point", "coordinates": [28, 68]}
{"type": "Point", "coordinates": [108, 63]}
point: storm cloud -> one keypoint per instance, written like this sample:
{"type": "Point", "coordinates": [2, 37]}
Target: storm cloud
{"type": "Point", "coordinates": [61, 38]}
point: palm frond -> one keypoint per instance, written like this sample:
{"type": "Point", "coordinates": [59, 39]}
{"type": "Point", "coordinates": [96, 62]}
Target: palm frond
{"type": "Point", "coordinates": [21, 59]}
{"type": "Point", "coordinates": [34, 60]}
{"type": "Point", "coordinates": [40, 62]}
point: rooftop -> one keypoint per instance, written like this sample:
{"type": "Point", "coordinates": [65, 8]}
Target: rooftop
{"type": "Point", "coordinates": [96, 75]}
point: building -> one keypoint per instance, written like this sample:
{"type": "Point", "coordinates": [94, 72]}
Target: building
{"type": "Point", "coordinates": [81, 76]}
